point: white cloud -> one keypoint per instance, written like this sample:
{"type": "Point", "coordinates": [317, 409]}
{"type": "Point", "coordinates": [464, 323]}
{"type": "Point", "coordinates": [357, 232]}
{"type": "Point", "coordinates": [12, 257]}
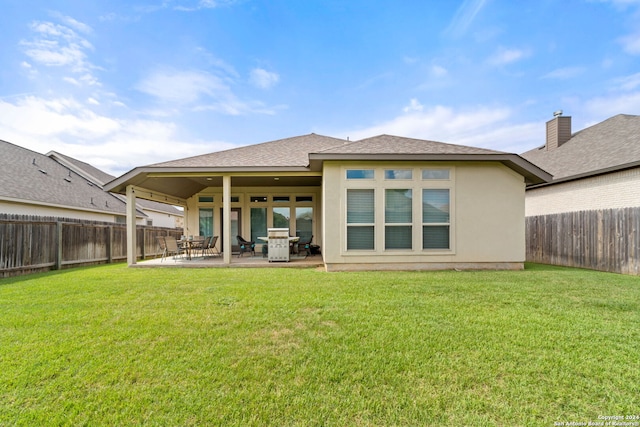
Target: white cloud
{"type": "Point", "coordinates": [111, 144]}
{"type": "Point", "coordinates": [464, 17]}
{"type": "Point", "coordinates": [54, 117]}
{"type": "Point", "coordinates": [505, 56]}
{"type": "Point", "coordinates": [564, 73]}
{"type": "Point", "coordinates": [199, 91]}
{"type": "Point", "coordinates": [183, 87]}
{"type": "Point", "coordinates": [608, 106]}
{"type": "Point", "coordinates": [487, 127]}
{"type": "Point", "coordinates": [627, 83]}
{"type": "Point", "coordinates": [414, 105]}
{"type": "Point", "coordinates": [263, 79]}
{"type": "Point", "coordinates": [77, 25]}
{"type": "Point", "coordinates": [189, 6]}
{"type": "Point", "coordinates": [631, 43]}
{"type": "Point", "coordinates": [438, 71]}
{"type": "Point", "coordinates": [57, 45]}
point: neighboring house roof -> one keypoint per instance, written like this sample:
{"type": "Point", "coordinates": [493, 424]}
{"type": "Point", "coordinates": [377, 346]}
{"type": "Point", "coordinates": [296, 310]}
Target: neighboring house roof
{"type": "Point", "coordinates": [305, 154]}
{"type": "Point", "coordinates": [30, 177]}
{"type": "Point", "coordinates": [100, 178]}
{"type": "Point", "coordinates": [611, 145]}
{"type": "Point", "coordinates": [90, 172]}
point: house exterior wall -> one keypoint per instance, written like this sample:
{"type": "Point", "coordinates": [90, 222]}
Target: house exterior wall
{"type": "Point", "coordinates": [59, 212]}
{"type": "Point", "coordinates": [610, 191]}
{"type": "Point", "coordinates": [161, 219]}
{"type": "Point", "coordinates": [486, 218]}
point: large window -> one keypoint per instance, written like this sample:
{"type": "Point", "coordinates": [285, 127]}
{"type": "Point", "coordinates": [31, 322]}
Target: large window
{"type": "Point", "coordinates": [205, 221]}
{"type": "Point", "coordinates": [398, 219]}
{"type": "Point", "coordinates": [435, 219]}
{"type": "Point", "coordinates": [360, 219]}
{"type": "Point", "coordinates": [258, 223]}
{"type": "Point", "coordinates": [304, 223]}
{"type": "Point", "coordinates": [281, 217]}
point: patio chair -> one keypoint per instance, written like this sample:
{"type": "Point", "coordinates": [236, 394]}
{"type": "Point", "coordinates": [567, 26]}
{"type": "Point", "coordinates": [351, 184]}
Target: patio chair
{"type": "Point", "coordinates": [211, 248]}
{"type": "Point", "coordinates": [305, 246]}
{"type": "Point", "coordinates": [163, 247]}
{"type": "Point", "coordinates": [172, 247]}
{"type": "Point", "coordinates": [205, 245]}
{"type": "Point", "coordinates": [246, 245]}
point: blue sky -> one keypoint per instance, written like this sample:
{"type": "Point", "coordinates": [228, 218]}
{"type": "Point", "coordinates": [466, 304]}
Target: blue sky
{"type": "Point", "coordinates": [121, 84]}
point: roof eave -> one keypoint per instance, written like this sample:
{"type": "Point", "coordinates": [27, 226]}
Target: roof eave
{"type": "Point", "coordinates": [532, 173]}
{"type": "Point", "coordinates": [119, 184]}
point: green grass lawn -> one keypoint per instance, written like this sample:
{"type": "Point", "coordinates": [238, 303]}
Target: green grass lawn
{"type": "Point", "coordinates": [112, 345]}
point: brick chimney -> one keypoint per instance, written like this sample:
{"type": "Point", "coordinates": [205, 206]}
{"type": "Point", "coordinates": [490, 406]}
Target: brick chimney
{"type": "Point", "coordinates": [558, 131]}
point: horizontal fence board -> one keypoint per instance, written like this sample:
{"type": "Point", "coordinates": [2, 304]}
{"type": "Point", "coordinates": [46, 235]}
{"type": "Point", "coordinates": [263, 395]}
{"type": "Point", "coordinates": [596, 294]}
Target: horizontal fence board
{"type": "Point", "coordinates": [31, 243]}
{"type": "Point", "coordinates": [604, 240]}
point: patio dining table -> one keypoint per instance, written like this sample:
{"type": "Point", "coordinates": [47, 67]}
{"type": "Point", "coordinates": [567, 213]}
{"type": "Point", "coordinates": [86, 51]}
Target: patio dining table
{"type": "Point", "coordinates": [191, 244]}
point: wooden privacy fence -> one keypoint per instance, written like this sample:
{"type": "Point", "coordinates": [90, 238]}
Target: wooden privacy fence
{"type": "Point", "coordinates": [29, 244]}
{"type": "Point", "coordinates": [605, 240]}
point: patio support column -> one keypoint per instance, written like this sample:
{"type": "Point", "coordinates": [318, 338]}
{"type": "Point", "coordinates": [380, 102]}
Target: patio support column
{"type": "Point", "coordinates": [226, 223]}
{"type": "Point", "coordinates": [131, 226]}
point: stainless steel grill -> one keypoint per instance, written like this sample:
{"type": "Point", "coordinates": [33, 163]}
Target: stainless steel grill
{"type": "Point", "coordinates": [278, 244]}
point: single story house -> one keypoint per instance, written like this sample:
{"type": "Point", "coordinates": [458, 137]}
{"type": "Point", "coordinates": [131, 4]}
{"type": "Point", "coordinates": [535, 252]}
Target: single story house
{"type": "Point", "coordinates": [594, 168]}
{"type": "Point", "coordinates": [386, 202]}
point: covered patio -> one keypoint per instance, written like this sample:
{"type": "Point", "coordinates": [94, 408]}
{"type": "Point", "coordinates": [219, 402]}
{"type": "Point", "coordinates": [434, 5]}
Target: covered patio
{"type": "Point", "coordinates": [238, 192]}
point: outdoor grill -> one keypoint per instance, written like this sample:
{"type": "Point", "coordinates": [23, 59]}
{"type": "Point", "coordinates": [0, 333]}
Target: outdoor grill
{"type": "Point", "coordinates": [278, 244]}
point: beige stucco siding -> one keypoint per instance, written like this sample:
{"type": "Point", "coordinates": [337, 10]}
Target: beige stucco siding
{"type": "Point", "coordinates": [610, 191]}
{"type": "Point", "coordinates": [487, 218]}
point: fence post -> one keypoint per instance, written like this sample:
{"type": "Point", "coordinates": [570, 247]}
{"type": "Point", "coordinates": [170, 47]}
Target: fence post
{"type": "Point", "coordinates": [58, 241]}
{"type": "Point", "coordinates": [144, 242]}
{"type": "Point", "coordinates": [110, 245]}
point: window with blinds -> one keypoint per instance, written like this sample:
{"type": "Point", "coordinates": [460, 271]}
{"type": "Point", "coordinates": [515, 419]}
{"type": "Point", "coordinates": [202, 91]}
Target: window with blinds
{"type": "Point", "coordinates": [360, 219]}
{"type": "Point", "coordinates": [398, 218]}
{"type": "Point", "coordinates": [436, 220]}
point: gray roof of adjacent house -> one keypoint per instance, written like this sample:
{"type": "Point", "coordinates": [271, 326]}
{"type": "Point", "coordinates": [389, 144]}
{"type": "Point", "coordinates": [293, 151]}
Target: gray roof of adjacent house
{"type": "Point", "coordinates": [611, 145]}
{"type": "Point", "coordinates": [100, 178]}
{"type": "Point", "coordinates": [30, 177]}
{"type": "Point", "coordinates": [90, 172]}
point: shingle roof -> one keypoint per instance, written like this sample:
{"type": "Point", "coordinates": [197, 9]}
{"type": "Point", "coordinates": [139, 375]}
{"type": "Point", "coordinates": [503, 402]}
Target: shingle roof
{"type": "Point", "coordinates": [288, 152]}
{"type": "Point", "coordinates": [29, 176]}
{"type": "Point", "coordinates": [90, 172]}
{"type": "Point", "coordinates": [608, 145]}
{"type": "Point", "coordinates": [390, 144]}
{"type": "Point", "coordinates": [100, 178]}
